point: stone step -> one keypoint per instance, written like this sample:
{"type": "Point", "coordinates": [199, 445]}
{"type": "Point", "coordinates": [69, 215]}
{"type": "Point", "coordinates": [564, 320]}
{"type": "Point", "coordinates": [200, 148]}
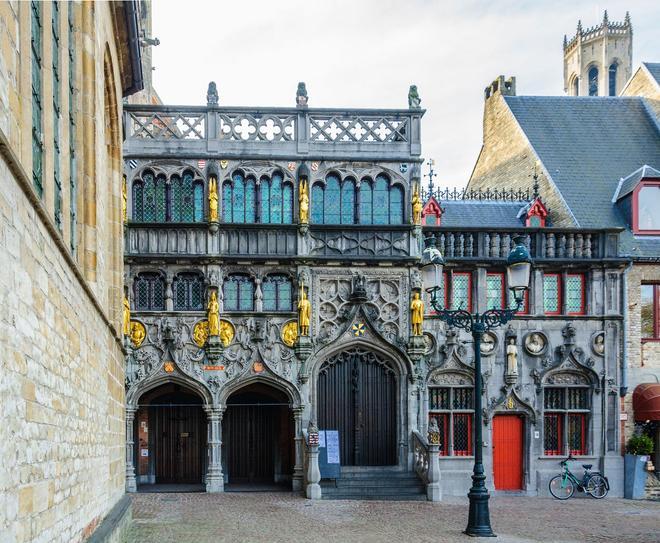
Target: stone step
{"type": "Point", "coordinates": [398, 497]}
{"type": "Point", "coordinates": [383, 490]}
{"type": "Point", "coordinates": [373, 483]}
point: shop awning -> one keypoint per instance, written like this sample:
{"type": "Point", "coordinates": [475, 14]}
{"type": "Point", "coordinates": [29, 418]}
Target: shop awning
{"type": "Point", "coordinates": [646, 402]}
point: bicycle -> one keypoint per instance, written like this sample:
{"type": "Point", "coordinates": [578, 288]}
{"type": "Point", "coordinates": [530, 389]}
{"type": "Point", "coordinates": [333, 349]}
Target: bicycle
{"type": "Point", "coordinates": [563, 486]}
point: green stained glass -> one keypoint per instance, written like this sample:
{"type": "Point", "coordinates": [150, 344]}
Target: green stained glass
{"type": "Point", "coordinates": [152, 204]}
{"type": "Point", "coordinates": [198, 201]}
{"type": "Point", "coordinates": [332, 203]}
{"type": "Point", "coordinates": [317, 204]}
{"type": "Point", "coordinates": [230, 295]}
{"type": "Point", "coordinates": [269, 290]}
{"type": "Point", "coordinates": [284, 296]}
{"type": "Point", "coordinates": [238, 293]}
{"type": "Point", "coordinates": [381, 201]}
{"type": "Point", "coordinates": [182, 205]}
{"type": "Point", "coordinates": [276, 291]}
{"type": "Point", "coordinates": [264, 190]}
{"type": "Point", "coordinates": [494, 287]}
{"type": "Point", "coordinates": [226, 202]}
{"type": "Point", "coordinates": [396, 205]}
{"type": "Point", "coordinates": [460, 287]}
{"type": "Point", "coordinates": [347, 202]}
{"type": "Point", "coordinates": [366, 196]}
{"type": "Point", "coordinates": [551, 293]}
{"type": "Point", "coordinates": [238, 199]}
{"type": "Point", "coordinates": [246, 295]}
{"type": "Point", "coordinates": [574, 294]}
{"type": "Point", "coordinates": [287, 204]}
{"type": "Point", "coordinates": [250, 201]}
{"type": "Point", "coordinates": [276, 199]}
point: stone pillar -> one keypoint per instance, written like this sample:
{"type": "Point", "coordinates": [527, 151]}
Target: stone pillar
{"type": "Point", "coordinates": [297, 484]}
{"type": "Point", "coordinates": [433, 490]}
{"type": "Point", "coordinates": [169, 294]}
{"type": "Point", "coordinates": [131, 483]}
{"type": "Point", "coordinates": [214, 477]}
{"type": "Point", "coordinates": [313, 490]}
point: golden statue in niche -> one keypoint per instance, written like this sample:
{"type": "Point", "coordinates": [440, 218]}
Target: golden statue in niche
{"type": "Point", "coordinates": [417, 207]}
{"type": "Point", "coordinates": [226, 333]}
{"type": "Point", "coordinates": [126, 324]}
{"type": "Point", "coordinates": [303, 202]}
{"type": "Point", "coordinates": [124, 200]}
{"type": "Point", "coordinates": [138, 333]}
{"type": "Point", "coordinates": [213, 200]}
{"type": "Point", "coordinates": [416, 314]}
{"type": "Point", "coordinates": [290, 333]}
{"type": "Point", "coordinates": [201, 333]}
{"type": "Point", "coordinates": [304, 311]}
{"type": "Point", "coordinates": [213, 315]}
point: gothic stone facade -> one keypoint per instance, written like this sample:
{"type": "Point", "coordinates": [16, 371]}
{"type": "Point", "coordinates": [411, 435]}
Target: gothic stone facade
{"type": "Point", "coordinates": [359, 371]}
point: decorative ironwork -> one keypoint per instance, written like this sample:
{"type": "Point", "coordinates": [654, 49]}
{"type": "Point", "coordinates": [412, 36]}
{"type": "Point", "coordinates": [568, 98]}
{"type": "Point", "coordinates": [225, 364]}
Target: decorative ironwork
{"type": "Point", "coordinates": [454, 194]}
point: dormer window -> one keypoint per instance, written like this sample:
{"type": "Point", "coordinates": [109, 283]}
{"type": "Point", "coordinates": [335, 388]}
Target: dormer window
{"type": "Point", "coordinates": [536, 214]}
{"type": "Point", "coordinates": [431, 212]}
{"type": "Point", "coordinates": [646, 203]}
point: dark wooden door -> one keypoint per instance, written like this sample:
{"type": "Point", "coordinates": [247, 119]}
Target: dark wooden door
{"type": "Point", "coordinates": [180, 444]}
{"type": "Point", "coordinates": [357, 397]}
{"type": "Point", "coordinates": [251, 433]}
{"type": "Point", "coordinates": [508, 452]}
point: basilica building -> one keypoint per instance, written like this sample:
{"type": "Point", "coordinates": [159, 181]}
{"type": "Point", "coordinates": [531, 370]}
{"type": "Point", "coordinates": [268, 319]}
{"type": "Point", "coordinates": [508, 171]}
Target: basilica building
{"type": "Point", "coordinates": [272, 296]}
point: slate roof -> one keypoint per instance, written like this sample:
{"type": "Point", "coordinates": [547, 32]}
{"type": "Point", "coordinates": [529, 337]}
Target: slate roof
{"type": "Point", "coordinates": [587, 144]}
{"type": "Point", "coordinates": [654, 70]}
{"type": "Point", "coordinates": [628, 184]}
{"type": "Point", "coordinates": [486, 213]}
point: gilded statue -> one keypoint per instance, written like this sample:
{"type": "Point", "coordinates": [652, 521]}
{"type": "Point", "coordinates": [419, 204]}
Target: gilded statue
{"type": "Point", "coordinates": [417, 207]}
{"type": "Point", "coordinates": [303, 201]}
{"type": "Point", "coordinates": [416, 314]}
{"type": "Point", "coordinates": [226, 333]}
{"type": "Point", "coordinates": [511, 357]}
{"type": "Point", "coordinates": [290, 333]}
{"type": "Point", "coordinates": [213, 315]}
{"type": "Point", "coordinates": [126, 325]}
{"type": "Point", "coordinates": [138, 333]}
{"type": "Point", "coordinates": [201, 333]}
{"type": "Point", "coordinates": [124, 200]}
{"type": "Point", "coordinates": [304, 312]}
{"type": "Point", "coordinates": [213, 200]}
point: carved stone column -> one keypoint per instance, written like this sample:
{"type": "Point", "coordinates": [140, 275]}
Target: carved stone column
{"type": "Point", "coordinates": [169, 294]}
{"type": "Point", "coordinates": [433, 490]}
{"type": "Point", "coordinates": [214, 477]}
{"type": "Point", "coordinates": [313, 490]}
{"type": "Point", "coordinates": [297, 483]}
{"type": "Point", "coordinates": [131, 483]}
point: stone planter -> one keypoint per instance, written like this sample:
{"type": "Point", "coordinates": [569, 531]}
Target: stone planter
{"type": "Point", "coordinates": [635, 476]}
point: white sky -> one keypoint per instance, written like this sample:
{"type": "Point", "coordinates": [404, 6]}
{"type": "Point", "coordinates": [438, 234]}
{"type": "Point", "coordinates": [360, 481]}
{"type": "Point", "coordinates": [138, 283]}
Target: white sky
{"type": "Point", "coordinates": [366, 53]}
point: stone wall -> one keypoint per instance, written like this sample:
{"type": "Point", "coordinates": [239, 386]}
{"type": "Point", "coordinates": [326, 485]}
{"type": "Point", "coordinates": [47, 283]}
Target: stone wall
{"type": "Point", "coordinates": [62, 438]}
{"type": "Point", "coordinates": [643, 358]}
{"type": "Point", "coordinates": [641, 84]}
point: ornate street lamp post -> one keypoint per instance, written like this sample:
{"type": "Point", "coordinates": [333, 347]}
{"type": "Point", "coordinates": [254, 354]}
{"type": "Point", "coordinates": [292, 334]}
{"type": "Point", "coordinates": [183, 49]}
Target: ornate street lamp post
{"type": "Point", "coordinates": [519, 265]}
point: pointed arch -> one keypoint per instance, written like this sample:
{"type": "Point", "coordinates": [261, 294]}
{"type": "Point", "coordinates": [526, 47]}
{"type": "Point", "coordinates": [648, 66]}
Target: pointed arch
{"type": "Point", "coordinates": [158, 379]}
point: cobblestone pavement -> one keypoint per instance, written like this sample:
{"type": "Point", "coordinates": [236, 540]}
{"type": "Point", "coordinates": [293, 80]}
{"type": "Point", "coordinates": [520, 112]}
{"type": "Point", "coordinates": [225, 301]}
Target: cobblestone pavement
{"type": "Point", "coordinates": [275, 517]}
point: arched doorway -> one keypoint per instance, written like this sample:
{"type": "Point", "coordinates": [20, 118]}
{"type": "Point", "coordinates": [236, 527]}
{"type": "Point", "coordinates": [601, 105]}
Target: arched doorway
{"type": "Point", "coordinates": [170, 437]}
{"type": "Point", "coordinates": [258, 443]}
{"type": "Point", "coordinates": [357, 396]}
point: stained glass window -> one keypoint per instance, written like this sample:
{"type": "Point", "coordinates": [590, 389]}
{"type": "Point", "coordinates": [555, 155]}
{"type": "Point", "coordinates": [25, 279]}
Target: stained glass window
{"type": "Point", "coordinates": [250, 201]}
{"type": "Point", "coordinates": [332, 201]}
{"type": "Point", "coordinates": [149, 292]}
{"type": "Point", "coordinates": [612, 79]}
{"type": "Point", "coordinates": [317, 203]}
{"type": "Point", "coordinates": [593, 81]}
{"type": "Point", "coordinates": [460, 291]}
{"type": "Point", "coordinates": [494, 290]}
{"type": "Point", "coordinates": [453, 410]}
{"type": "Point", "coordinates": [264, 194]}
{"type": "Point", "coordinates": [551, 294]}
{"type": "Point", "coordinates": [396, 205]}
{"type": "Point", "coordinates": [238, 293]}
{"type": "Point", "coordinates": [198, 201]}
{"type": "Point", "coordinates": [366, 202]}
{"type": "Point", "coordinates": [226, 202]}
{"type": "Point", "coordinates": [276, 291]}
{"type": "Point", "coordinates": [239, 200]}
{"type": "Point", "coordinates": [183, 205]}
{"type": "Point", "coordinates": [287, 204]}
{"type": "Point", "coordinates": [566, 411]}
{"type": "Point", "coordinates": [188, 291]}
{"type": "Point", "coordinates": [381, 201]}
{"type": "Point", "coordinates": [348, 201]}
{"type": "Point", "coordinates": [37, 126]}
{"type": "Point", "coordinates": [149, 199]}
{"type": "Point", "coordinates": [276, 200]}
{"type": "Point", "coordinates": [575, 294]}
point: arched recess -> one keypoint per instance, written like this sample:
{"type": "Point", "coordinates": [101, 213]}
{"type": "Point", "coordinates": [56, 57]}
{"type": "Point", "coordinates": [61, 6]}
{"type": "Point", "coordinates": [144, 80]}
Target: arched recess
{"type": "Point", "coordinates": [134, 393]}
{"type": "Point", "coordinates": [266, 379]}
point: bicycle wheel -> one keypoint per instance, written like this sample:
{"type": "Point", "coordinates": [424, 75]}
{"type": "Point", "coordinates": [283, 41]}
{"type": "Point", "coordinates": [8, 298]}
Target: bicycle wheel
{"type": "Point", "coordinates": [561, 488]}
{"type": "Point", "coordinates": [597, 487]}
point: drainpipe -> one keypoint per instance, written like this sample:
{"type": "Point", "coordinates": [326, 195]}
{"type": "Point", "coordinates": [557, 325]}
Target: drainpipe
{"type": "Point", "coordinates": [623, 389]}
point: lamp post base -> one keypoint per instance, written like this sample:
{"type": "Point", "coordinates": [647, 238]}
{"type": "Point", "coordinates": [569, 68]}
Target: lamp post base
{"type": "Point", "coordinates": [479, 516]}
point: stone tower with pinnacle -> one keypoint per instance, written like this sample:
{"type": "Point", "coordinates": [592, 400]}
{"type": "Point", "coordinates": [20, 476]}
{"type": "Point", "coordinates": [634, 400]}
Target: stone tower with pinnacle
{"type": "Point", "coordinates": [598, 60]}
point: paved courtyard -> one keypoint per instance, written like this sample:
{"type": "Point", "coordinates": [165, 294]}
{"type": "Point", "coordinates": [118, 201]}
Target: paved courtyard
{"type": "Point", "coordinates": [274, 517]}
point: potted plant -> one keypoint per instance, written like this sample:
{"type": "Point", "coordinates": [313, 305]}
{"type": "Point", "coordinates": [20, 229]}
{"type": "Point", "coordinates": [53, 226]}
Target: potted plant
{"type": "Point", "coordinates": [638, 449]}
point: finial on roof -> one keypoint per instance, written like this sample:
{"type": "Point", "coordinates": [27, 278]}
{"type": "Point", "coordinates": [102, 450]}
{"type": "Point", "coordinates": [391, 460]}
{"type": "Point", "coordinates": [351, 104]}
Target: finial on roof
{"type": "Point", "coordinates": [431, 175]}
{"type": "Point", "coordinates": [212, 94]}
{"type": "Point", "coordinates": [627, 19]}
{"type": "Point", "coordinates": [414, 100]}
{"type": "Point", "coordinates": [301, 95]}
{"type": "Point", "coordinates": [579, 27]}
{"type": "Point", "coordinates": [565, 40]}
{"type": "Point", "coordinates": [535, 188]}
{"type": "Point", "coordinates": [605, 19]}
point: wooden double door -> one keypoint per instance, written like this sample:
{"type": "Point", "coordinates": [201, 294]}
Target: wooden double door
{"type": "Point", "coordinates": [357, 395]}
{"type": "Point", "coordinates": [508, 451]}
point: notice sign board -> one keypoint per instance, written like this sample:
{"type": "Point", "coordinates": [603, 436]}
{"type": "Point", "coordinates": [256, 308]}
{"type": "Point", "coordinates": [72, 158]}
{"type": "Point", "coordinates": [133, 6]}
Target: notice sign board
{"type": "Point", "coordinates": [329, 464]}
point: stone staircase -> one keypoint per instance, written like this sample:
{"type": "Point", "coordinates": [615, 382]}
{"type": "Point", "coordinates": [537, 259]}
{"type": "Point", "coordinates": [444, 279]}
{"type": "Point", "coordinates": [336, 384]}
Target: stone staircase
{"type": "Point", "coordinates": [374, 483]}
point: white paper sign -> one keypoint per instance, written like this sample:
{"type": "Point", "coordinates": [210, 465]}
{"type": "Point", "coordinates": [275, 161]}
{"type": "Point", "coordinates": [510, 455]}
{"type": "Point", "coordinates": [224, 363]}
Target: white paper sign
{"type": "Point", "coordinates": [333, 446]}
{"type": "Point", "coordinates": [144, 452]}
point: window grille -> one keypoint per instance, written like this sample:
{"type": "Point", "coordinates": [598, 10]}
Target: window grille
{"type": "Point", "coordinates": [494, 291]}
{"type": "Point", "coordinates": [55, 49]}
{"type": "Point", "coordinates": [566, 411]}
{"type": "Point", "coordinates": [37, 122]}
{"type": "Point", "coordinates": [551, 294]}
{"type": "Point", "coordinates": [453, 409]}
{"type": "Point", "coordinates": [188, 292]}
{"type": "Point", "coordinates": [575, 296]}
{"type": "Point", "coordinates": [72, 130]}
{"type": "Point", "coordinates": [460, 291]}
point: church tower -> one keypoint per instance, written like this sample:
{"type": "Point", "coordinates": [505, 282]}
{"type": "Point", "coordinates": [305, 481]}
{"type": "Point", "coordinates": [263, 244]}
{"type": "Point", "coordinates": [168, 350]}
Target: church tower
{"type": "Point", "coordinates": [598, 60]}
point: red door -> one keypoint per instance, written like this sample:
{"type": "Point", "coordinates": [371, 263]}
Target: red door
{"type": "Point", "coordinates": [507, 451]}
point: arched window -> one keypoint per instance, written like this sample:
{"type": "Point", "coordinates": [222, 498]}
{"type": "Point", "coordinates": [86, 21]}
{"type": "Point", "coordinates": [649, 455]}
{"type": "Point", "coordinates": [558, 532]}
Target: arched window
{"type": "Point", "coordinates": [348, 202]}
{"type": "Point", "coordinates": [149, 199]}
{"type": "Point", "coordinates": [187, 200]}
{"type": "Point", "coordinates": [593, 81]}
{"type": "Point", "coordinates": [239, 200]}
{"type": "Point", "coordinates": [566, 410]}
{"type": "Point", "coordinates": [188, 289]}
{"type": "Point", "coordinates": [277, 291]}
{"type": "Point", "coordinates": [366, 202]}
{"type": "Point", "coordinates": [576, 86]}
{"type": "Point", "coordinates": [276, 200]}
{"type": "Point", "coordinates": [386, 203]}
{"type": "Point", "coordinates": [238, 293]}
{"type": "Point", "coordinates": [612, 79]}
{"type": "Point", "coordinates": [149, 292]}
{"type": "Point", "coordinates": [317, 203]}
